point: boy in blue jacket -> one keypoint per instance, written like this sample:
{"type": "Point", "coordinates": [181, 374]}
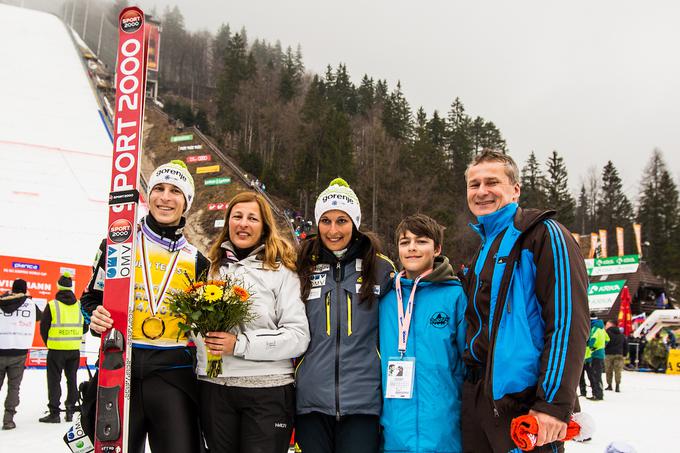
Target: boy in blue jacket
{"type": "Point", "coordinates": [422, 338]}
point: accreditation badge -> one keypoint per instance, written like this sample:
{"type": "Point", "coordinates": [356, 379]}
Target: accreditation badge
{"type": "Point", "coordinates": [400, 375]}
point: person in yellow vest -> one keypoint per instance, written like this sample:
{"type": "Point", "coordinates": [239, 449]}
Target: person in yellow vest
{"type": "Point", "coordinates": [164, 389]}
{"type": "Point", "coordinates": [62, 327]}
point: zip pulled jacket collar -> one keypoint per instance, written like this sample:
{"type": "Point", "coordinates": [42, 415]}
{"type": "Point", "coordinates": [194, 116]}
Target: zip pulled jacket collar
{"type": "Point", "coordinates": [254, 257]}
{"type": "Point", "coordinates": [170, 237]}
{"type": "Point", "coordinates": [356, 249]}
{"type": "Point", "coordinates": [522, 219]}
{"type": "Point", "coordinates": [442, 273]}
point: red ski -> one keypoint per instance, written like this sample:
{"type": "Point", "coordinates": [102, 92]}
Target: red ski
{"type": "Point", "coordinates": [113, 394]}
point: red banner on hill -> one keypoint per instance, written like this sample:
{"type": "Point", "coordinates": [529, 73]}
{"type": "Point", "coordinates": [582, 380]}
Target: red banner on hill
{"type": "Point", "coordinates": [201, 158]}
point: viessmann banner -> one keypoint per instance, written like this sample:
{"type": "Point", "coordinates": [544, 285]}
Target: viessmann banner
{"type": "Point", "coordinates": [626, 264]}
{"type": "Point", "coordinates": [41, 279]}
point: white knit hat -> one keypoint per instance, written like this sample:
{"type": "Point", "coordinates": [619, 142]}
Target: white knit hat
{"type": "Point", "coordinates": [338, 195]}
{"type": "Point", "coordinates": [176, 173]}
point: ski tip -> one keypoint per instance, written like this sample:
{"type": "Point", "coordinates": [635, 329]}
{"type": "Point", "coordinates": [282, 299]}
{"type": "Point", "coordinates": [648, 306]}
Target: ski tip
{"type": "Point", "coordinates": [339, 182]}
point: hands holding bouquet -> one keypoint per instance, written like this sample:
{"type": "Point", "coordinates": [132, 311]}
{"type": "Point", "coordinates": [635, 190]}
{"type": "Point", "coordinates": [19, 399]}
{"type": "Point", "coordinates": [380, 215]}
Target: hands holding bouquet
{"type": "Point", "coordinates": [211, 308]}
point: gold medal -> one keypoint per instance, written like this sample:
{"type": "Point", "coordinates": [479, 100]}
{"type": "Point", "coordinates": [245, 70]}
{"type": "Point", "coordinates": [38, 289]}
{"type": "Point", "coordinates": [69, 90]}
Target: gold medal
{"type": "Point", "coordinates": [153, 327]}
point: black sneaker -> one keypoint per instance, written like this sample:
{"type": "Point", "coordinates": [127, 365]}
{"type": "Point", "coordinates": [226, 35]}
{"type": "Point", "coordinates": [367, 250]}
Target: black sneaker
{"type": "Point", "coordinates": [50, 418]}
{"type": "Point", "coordinates": [8, 425]}
{"type": "Point", "coordinates": [609, 387]}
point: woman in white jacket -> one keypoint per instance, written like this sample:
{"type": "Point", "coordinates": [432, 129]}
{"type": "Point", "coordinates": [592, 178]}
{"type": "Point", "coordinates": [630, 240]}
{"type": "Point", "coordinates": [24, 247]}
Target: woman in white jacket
{"type": "Point", "coordinates": [250, 406]}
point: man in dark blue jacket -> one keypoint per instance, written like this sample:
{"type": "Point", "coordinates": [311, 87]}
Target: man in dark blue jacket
{"type": "Point", "coordinates": [527, 314]}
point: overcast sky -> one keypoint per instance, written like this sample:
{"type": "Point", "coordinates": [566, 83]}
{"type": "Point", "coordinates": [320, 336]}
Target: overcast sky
{"type": "Point", "coordinates": [595, 80]}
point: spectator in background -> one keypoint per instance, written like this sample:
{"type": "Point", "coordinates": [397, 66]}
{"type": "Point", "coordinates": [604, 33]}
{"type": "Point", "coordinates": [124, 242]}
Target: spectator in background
{"type": "Point", "coordinates": [655, 354]}
{"type": "Point", "coordinates": [614, 352]}
{"type": "Point", "coordinates": [17, 325]}
{"type": "Point", "coordinates": [597, 341]}
{"type": "Point", "coordinates": [62, 326]}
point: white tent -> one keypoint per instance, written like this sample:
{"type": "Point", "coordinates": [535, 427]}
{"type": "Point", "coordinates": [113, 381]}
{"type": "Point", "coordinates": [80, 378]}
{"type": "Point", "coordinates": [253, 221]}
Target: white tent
{"type": "Point", "coordinates": [55, 152]}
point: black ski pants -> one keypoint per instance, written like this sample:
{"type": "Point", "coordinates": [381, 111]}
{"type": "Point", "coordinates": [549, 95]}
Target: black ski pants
{"type": "Point", "coordinates": [321, 433]}
{"type": "Point", "coordinates": [483, 432]}
{"type": "Point", "coordinates": [66, 362]}
{"type": "Point", "coordinates": [247, 420]}
{"type": "Point", "coordinates": [165, 412]}
{"type": "Point", "coordinates": [595, 377]}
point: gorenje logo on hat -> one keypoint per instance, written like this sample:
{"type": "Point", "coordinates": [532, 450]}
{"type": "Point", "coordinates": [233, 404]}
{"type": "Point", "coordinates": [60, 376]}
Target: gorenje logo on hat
{"type": "Point", "coordinates": [130, 22]}
{"type": "Point", "coordinates": [171, 171]}
{"type": "Point", "coordinates": [120, 230]}
{"type": "Point", "coordinates": [338, 196]}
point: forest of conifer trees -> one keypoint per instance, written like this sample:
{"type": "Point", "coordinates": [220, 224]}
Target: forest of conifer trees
{"type": "Point", "coordinates": [295, 131]}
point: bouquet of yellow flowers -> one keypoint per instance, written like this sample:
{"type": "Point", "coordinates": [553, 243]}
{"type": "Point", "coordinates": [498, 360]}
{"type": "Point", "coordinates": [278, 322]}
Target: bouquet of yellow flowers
{"type": "Point", "coordinates": [211, 306]}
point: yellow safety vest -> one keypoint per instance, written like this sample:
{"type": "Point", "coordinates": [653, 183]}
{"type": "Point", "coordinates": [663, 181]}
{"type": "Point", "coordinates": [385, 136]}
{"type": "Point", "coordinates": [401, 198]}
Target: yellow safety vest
{"type": "Point", "coordinates": [66, 330]}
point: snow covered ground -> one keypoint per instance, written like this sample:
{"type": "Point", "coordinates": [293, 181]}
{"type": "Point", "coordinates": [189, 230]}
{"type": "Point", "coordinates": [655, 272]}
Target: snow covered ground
{"type": "Point", "coordinates": [643, 415]}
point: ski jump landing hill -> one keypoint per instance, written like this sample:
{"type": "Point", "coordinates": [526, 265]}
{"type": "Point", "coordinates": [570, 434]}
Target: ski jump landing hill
{"type": "Point", "coordinates": [55, 155]}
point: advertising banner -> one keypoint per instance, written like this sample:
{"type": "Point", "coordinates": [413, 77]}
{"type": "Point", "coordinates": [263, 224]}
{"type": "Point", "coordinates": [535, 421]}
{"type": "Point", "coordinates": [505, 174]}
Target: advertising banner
{"type": "Point", "coordinates": [189, 147]}
{"type": "Point", "coordinates": [626, 264]}
{"type": "Point", "coordinates": [619, 240]}
{"type": "Point", "coordinates": [181, 138]}
{"type": "Point", "coordinates": [602, 295]}
{"type": "Point", "coordinates": [201, 158]}
{"type": "Point", "coordinates": [218, 206]}
{"type": "Point", "coordinates": [219, 223]}
{"type": "Point", "coordinates": [208, 169]}
{"type": "Point", "coordinates": [637, 229]}
{"type": "Point", "coordinates": [603, 243]}
{"type": "Point", "coordinates": [41, 279]}
{"type": "Point", "coordinates": [154, 46]}
{"type": "Point", "coordinates": [217, 181]}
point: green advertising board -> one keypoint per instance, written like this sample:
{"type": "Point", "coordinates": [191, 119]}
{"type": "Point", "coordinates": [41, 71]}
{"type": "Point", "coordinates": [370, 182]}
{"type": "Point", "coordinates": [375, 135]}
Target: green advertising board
{"type": "Point", "coordinates": [181, 138]}
{"type": "Point", "coordinates": [602, 295]}
{"type": "Point", "coordinates": [217, 181]}
{"type": "Point", "coordinates": [626, 264]}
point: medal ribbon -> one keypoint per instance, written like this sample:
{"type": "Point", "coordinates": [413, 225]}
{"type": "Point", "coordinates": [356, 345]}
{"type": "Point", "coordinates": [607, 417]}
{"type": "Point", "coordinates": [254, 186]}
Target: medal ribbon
{"type": "Point", "coordinates": [404, 319]}
{"type": "Point", "coordinates": [148, 283]}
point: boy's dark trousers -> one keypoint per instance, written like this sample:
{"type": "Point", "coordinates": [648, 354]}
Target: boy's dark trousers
{"type": "Point", "coordinates": [66, 361]}
{"type": "Point", "coordinates": [483, 432]}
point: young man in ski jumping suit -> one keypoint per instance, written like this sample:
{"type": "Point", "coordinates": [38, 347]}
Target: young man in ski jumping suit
{"type": "Point", "coordinates": [17, 325]}
{"type": "Point", "coordinates": [249, 407]}
{"type": "Point", "coordinates": [422, 332]}
{"type": "Point", "coordinates": [338, 378]}
{"type": "Point", "coordinates": [163, 396]}
{"type": "Point", "coordinates": [527, 314]}
{"type": "Point", "coordinates": [596, 343]}
{"type": "Point", "coordinates": [62, 327]}
{"type": "Point", "coordinates": [615, 352]}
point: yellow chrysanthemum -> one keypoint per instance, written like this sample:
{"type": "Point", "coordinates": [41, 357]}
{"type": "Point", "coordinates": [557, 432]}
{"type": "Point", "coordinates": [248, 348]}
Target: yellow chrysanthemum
{"type": "Point", "coordinates": [211, 293]}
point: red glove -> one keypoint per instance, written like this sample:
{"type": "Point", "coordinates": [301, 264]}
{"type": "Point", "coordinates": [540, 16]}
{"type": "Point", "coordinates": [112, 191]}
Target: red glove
{"type": "Point", "coordinates": [524, 431]}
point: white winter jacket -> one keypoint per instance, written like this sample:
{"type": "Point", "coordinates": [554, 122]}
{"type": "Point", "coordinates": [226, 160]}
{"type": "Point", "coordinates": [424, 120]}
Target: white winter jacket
{"type": "Point", "coordinates": [279, 333]}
